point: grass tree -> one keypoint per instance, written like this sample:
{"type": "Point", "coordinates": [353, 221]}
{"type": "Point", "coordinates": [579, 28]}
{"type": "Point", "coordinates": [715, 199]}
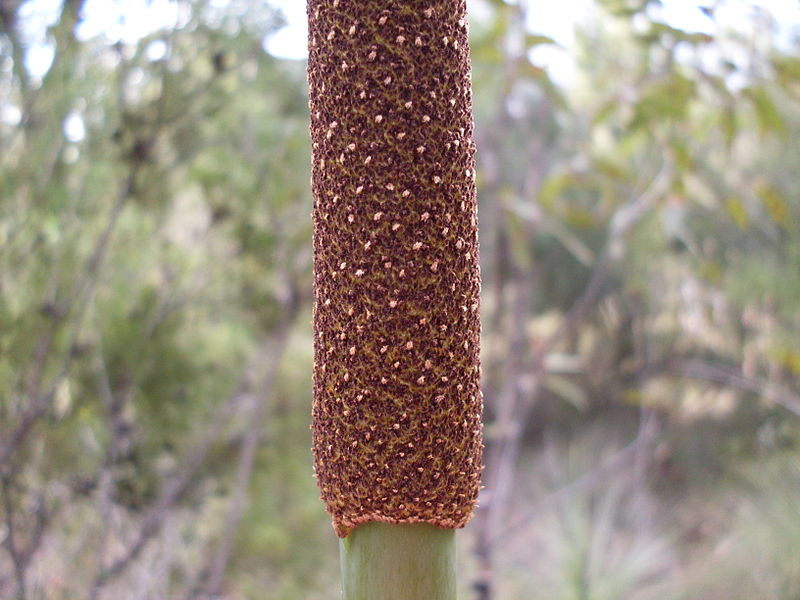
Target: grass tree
{"type": "Point", "coordinates": [397, 404]}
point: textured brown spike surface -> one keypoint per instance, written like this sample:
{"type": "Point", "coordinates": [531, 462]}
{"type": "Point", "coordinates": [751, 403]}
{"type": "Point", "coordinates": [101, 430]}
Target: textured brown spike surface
{"type": "Point", "coordinates": [397, 403]}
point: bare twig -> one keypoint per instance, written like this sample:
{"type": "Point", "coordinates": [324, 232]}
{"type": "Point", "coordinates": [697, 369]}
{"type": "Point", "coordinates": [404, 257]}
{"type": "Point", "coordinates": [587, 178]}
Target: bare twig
{"type": "Point", "coordinates": [622, 223]}
{"type": "Point", "coordinates": [271, 357]}
{"type": "Point", "coordinates": [11, 543]}
{"type": "Point", "coordinates": [40, 403]}
{"type": "Point", "coordinates": [511, 402]}
{"type": "Point", "coordinates": [733, 377]}
{"type": "Point", "coordinates": [175, 488]}
{"type": "Point", "coordinates": [586, 482]}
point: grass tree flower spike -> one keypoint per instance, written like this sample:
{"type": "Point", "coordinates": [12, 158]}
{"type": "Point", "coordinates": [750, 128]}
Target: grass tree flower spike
{"type": "Point", "coordinates": [397, 403]}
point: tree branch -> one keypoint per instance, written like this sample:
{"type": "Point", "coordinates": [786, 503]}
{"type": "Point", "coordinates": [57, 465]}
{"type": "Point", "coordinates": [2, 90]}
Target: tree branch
{"type": "Point", "coordinates": [175, 488]}
{"type": "Point", "coordinates": [271, 355]}
{"type": "Point", "coordinates": [733, 377]}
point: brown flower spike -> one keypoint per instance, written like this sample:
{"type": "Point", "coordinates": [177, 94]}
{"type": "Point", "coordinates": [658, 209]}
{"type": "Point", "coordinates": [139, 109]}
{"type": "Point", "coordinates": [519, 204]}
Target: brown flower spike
{"type": "Point", "coordinates": [397, 402]}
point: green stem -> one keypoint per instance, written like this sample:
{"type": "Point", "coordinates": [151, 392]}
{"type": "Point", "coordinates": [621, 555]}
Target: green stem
{"type": "Point", "coordinates": [413, 561]}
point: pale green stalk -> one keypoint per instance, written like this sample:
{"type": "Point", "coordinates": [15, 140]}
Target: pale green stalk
{"type": "Point", "coordinates": [414, 561]}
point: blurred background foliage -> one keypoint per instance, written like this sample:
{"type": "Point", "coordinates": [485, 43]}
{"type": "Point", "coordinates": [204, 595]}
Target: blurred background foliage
{"type": "Point", "coordinates": [640, 232]}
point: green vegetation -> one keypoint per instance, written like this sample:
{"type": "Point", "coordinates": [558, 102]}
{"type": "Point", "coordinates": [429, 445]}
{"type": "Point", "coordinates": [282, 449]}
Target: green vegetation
{"type": "Point", "coordinates": [639, 236]}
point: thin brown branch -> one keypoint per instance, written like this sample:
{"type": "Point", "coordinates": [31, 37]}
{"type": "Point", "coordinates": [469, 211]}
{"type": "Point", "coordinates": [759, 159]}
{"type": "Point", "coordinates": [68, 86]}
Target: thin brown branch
{"type": "Point", "coordinates": [11, 543]}
{"type": "Point", "coordinates": [271, 357]}
{"type": "Point", "coordinates": [176, 487]}
{"type": "Point", "coordinates": [173, 490]}
{"type": "Point", "coordinates": [79, 300]}
{"type": "Point", "coordinates": [733, 377]}
{"type": "Point", "coordinates": [585, 483]}
{"type": "Point", "coordinates": [42, 518]}
{"type": "Point", "coordinates": [513, 404]}
{"type": "Point", "coordinates": [622, 223]}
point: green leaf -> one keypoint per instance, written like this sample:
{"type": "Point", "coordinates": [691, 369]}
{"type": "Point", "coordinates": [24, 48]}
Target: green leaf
{"type": "Point", "coordinates": [567, 390]}
{"type": "Point", "coordinates": [789, 358]}
{"type": "Point", "coordinates": [579, 217]}
{"type": "Point", "coordinates": [788, 69]}
{"type": "Point", "coordinates": [682, 154]}
{"type": "Point", "coordinates": [659, 30]}
{"type": "Point", "coordinates": [729, 125]}
{"type": "Point", "coordinates": [666, 100]}
{"type": "Point", "coordinates": [774, 202]}
{"type": "Point", "coordinates": [767, 115]}
{"type": "Point", "coordinates": [737, 212]}
{"type": "Point", "coordinates": [610, 168]}
{"type": "Point", "coordinates": [533, 39]}
{"type": "Point", "coordinates": [605, 111]}
{"type": "Point", "coordinates": [552, 188]}
{"type": "Point", "coordinates": [533, 71]}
